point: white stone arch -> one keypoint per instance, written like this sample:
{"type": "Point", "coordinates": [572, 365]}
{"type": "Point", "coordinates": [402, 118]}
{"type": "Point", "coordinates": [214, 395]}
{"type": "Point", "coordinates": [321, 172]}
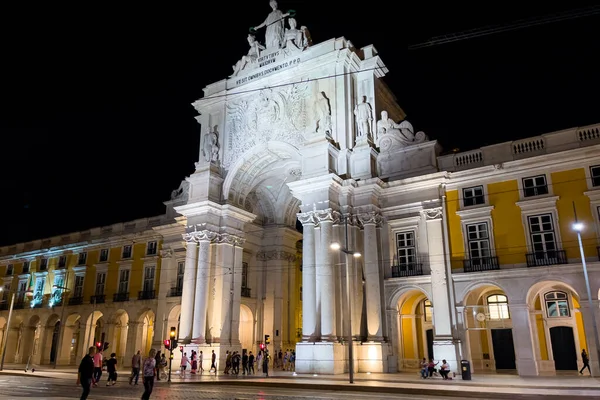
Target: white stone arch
{"type": "Point", "coordinates": [117, 333]}
{"type": "Point", "coordinates": [542, 325]}
{"type": "Point", "coordinates": [31, 341]}
{"type": "Point", "coordinates": [72, 336]}
{"type": "Point", "coordinates": [257, 182]}
{"type": "Point", "coordinates": [247, 338]}
{"type": "Point", "coordinates": [49, 341]}
{"type": "Point", "coordinates": [475, 285]}
{"type": "Point", "coordinates": [399, 292]}
{"type": "Point", "coordinates": [146, 323]}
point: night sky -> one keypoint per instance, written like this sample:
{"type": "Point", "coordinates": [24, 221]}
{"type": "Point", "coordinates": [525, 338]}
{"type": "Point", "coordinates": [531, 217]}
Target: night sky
{"type": "Point", "coordinates": [97, 125]}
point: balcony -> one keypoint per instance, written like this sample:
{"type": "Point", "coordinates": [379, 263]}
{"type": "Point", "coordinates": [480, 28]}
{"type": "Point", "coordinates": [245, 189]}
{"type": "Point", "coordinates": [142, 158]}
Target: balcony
{"type": "Point", "coordinates": [120, 297]}
{"type": "Point", "coordinates": [545, 258]}
{"type": "Point", "coordinates": [76, 300]}
{"type": "Point", "coordinates": [481, 264]}
{"type": "Point", "coordinates": [98, 299]}
{"type": "Point", "coordinates": [245, 292]}
{"type": "Point", "coordinates": [145, 295]}
{"type": "Point", "coordinates": [175, 292]}
{"type": "Point", "coordinates": [404, 270]}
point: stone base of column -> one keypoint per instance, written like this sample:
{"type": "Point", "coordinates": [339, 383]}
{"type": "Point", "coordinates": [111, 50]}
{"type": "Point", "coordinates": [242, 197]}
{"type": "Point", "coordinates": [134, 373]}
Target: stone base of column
{"type": "Point", "coordinates": [373, 357]}
{"type": "Point", "coordinates": [329, 338]}
{"type": "Point", "coordinates": [198, 341]}
{"type": "Point", "coordinates": [447, 349]}
{"type": "Point", "coordinates": [321, 358]}
{"type": "Point", "coordinates": [527, 367]}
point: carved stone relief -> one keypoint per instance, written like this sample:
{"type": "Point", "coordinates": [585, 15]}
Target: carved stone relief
{"type": "Point", "coordinates": [391, 135]}
{"type": "Point", "coordinates": [432, 213]}
{"type": "Point", "coordinates": [182, 192]}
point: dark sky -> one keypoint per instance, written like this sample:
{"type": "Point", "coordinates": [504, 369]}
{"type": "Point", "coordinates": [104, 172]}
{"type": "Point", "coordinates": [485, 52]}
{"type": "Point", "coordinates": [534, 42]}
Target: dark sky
{"type": "Point", "coordinates": [97, 126]}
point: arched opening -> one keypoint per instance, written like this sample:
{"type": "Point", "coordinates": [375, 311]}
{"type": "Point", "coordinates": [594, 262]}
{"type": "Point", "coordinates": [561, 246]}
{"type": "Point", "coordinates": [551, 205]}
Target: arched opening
{"type": "Point", "coordinates": [246, 328]}
{"type": "Point", "coordinates": [50, 340]}
{"type": "Point", "coordinates": [172, 321]}
{"type": "Point", "coordinates": [71, 340]}
{"type": "Point", "coordinates": [28, 344]}
{"type": "Point", "coordinates": [118, 340]}
{"type": "Point", "coordinates": [415, 329]}
{"type": "Point", "coordinates": [558, 332]}
{"type": "Point", "coordinates": [489, 329]}
{"type": "Point", "coordinates": [54, 346]}
{"type": "Point", "coordinates": [146, 335]}
{"type": "Point", "coordinates": [93, 331]}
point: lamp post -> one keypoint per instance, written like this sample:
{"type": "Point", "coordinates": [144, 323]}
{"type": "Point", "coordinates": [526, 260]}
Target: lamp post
{"type": "Point", "coordinates": [10, 311]}
{"type": "Point", "coordinates": [355, 254]}
{"type": "Point", "coordinates": [578, 227]}
{"type": "Point", "coordinates": [61, 328]}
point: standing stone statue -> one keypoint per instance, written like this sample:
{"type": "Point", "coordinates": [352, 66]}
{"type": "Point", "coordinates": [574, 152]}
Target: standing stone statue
{"type": "Point", "coordinates": [323, 109]}
{"type": "Point", "coordinates": [210, 147]}
{"type": "Point", "coordinates": [275, 23]}
{"type": "Point", "coordinates": [364, 117]}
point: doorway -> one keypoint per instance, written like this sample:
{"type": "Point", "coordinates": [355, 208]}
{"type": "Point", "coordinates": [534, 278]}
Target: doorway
{"type": "Point", "coordinates": [429, 334]}
{"type": "Point", "coordinates": [563, 348]}
{"type": "Point", "coordinates": [504, 349]}
{"type": "Point", "coordinates": [55, 335]}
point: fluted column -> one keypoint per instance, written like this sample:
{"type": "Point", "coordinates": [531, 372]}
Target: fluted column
{"type": "Point", "coordinates": [373, 286]}
{"type": "Point", "coordinates": [204, 239]}
{"type": "Point", "coordinates": [230, 247]}
{"type": "Point", "coordinates": [309, 294]}
{"type": "Point", "coordinates": [189, 288]}
{"type": "Point", "coordinates": [325, 271]}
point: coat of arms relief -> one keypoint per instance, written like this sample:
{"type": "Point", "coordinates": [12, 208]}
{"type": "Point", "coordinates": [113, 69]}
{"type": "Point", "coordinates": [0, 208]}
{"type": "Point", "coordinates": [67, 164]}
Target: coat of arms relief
{"type": "Point", "coordinates": [269, 115]}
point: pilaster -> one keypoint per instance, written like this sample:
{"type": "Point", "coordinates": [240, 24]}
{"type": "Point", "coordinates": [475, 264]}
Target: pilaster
{"type": "Point", "coordinates": [324, 270]}
{"type": "Point", "coordinates": [523, 340]}
{"type": "Point", "coordinates": [189, 289]}
{"type": "Point", "coordinates": [309, 296]}
{"type": "Point", "coordinates": [204, 239]}
{"type": "Point", "coordinates": [592, 350]}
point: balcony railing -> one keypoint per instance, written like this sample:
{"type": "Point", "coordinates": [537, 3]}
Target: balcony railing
{"type": "Point", "coordinates": [544, 258]}
{"type": "Point", "coordinates": [245, 292]}
{"type": "Point", "coordinates": [98, 299]}
{"type": "Point", "coordinates": [119, 297]}
{"type": "Point", "coordinates": [76, 300]}
{"type": "Point", "coordinates": [481, 264]}
{"type": "Point", "coordinates": [409, 269]}
{"type": "Point", "coordinates": [175, 292]}
{"type": "Point", "coordinates": [147, 295]}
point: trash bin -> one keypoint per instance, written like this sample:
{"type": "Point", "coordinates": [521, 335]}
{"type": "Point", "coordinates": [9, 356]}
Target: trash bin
{"type": "Point", "coordinates": [465, 368]}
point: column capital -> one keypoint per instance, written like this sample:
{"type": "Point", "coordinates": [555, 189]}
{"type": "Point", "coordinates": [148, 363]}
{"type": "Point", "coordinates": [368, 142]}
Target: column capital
{"type": "Point", "coordinates": [326, 215]}
{"type": "Point", "coordinates": [228, 238]}
{"type": "Point", "coordinates": [166, 253]}
{"type": "Point", "coordinates": [370, 218]}
{"type": "Point", "coordinates": [432, 213]}
{"type": "Point", "coordinates": [203, 235]}
{"type": "Point", "coordinates": [307, 218]}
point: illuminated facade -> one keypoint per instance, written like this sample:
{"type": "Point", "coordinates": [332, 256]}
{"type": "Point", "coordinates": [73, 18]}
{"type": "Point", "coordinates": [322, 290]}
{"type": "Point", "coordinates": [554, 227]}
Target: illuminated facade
{"type": "Point", "coordinates": [463, 256]}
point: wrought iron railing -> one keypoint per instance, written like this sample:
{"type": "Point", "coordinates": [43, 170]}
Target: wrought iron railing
{"type": "Point", "coordinates": [98, 299]}
{"type": "Point", "coordinates": [76, 300]}
{"type": "Point", "coordinates": [544, 258]}
{"type": "Point", "coordinates": [481, 264]}
{"type": "Point", "coordinates": [175, 292]}
{"type": "Point", "coordinates": [408, 269]}
{"type": "Point", "coordinates": [147, 295]}
{"type": "Point", "coordinates": [119, 297]}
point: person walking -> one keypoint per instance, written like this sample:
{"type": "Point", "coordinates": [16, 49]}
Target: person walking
{"type": "Point", "coordinates": [136, 364]}
{"type": "Point", "coordinates": [184, 364]}
{"type": "Point", "coordinates": [213, 360]}
{"type": "Point", "coordinates": [148, 372]}
{"type": "Point", "coordinates": [85, 373]}
{"type": "Point", "coordinates": [586, 362]}
{"type": "Point", "coordinates": [97, 367]}
{"type": "Point", "coordinates": [111, 368]}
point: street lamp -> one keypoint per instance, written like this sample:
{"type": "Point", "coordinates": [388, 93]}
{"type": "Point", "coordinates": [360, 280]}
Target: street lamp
{"type": "Point", "coordinates": [578, 227]}
{"type": "Point", "coordinates": [61, 332]}
{"type": "Point", "coordinates": [355, 254]}
{"type": "Point", "coordinates": [10, 310]}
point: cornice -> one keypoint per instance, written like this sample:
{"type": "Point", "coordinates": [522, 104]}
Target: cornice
{"type": "Point", "coordinates": [475, 212]}
{"type": "Point", "coordinates": [538, 203]}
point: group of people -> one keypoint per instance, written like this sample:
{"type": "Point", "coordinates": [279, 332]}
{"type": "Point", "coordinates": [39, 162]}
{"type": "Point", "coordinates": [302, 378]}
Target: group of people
{"type": "Point", "coordinates": [428, 369]}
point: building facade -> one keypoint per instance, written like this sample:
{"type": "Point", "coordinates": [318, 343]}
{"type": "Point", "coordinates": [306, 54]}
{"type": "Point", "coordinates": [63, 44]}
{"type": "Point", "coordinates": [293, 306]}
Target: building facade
{"type": "Point", "coordinates": [463, 256]}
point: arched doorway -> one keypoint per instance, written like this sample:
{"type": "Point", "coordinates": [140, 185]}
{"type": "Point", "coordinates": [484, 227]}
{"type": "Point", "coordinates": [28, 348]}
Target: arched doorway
{"type": "Point", "coordinates": [415, 329]}
{"type": "Point", "coordinates": [558, 332]}
{"type": "Point", "coordinates": [246, 327]}
{"type": "Point", "coordinates": [489, 329]}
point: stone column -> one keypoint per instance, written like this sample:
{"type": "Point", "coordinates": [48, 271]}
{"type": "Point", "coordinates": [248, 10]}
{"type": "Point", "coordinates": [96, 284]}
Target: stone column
{"type": "Point", "coordinates": [309, 295]}
{"type": "Point", "coordinates": [590, 338]}
{"type": "Point", "coordinates": [230, 247]}
{"type": "Point", "coordinates": [202, 286]}
{"type": "Point", "coordinates": [168, 270]}
{"type": "Point", "coordinates": [186, 320]}
{"type": "Point", "coordinates": [324, 269]}
{"type": "Point", "coordinates": [373, 286]}
{"type": "Point", "coordinates": [133, 341]}
{"type": "Point", "coordinates": [523, 339]}
{"type": "Point", "coordinates": [444, 344]}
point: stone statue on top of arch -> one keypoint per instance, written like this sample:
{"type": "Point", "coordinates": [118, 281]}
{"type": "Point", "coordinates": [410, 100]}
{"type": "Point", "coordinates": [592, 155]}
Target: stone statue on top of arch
{"type": "Point", "coordinates": [275, 27]}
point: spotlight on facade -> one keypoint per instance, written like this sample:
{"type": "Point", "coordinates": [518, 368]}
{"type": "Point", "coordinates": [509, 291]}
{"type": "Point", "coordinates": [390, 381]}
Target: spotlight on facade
{"type": "Point", "coordinates": [578, 226]}
{"type": "Point", "coordinates": [356, 254]}
{"type": "Point", "coordinates": [335, 246]}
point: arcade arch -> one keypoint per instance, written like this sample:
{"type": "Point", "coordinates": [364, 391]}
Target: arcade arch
{"type": "Point", "coordinates": [246, 327]}
{"type": "Point", "coordinates": [415, 328]}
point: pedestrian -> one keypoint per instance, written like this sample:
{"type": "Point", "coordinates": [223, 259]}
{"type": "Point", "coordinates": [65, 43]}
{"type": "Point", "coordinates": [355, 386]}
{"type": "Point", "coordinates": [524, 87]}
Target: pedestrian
{"type": "Point", "coordinates": [213, 362]}
{"type": "Point", "coordinates": [148, 372]}
{"type": "Point", "coordinates": [184, 364]}
{"type": "Point", "coordinates": [157, 365]}
{"type": "Point", "coordinates": [136, 364]}
{"type": "Point", "coordinates": [111, 368]}
{"type": "Point", "coordinates": [201, 361]}
{"type": "Point", "coordinates": [586, 362]}
{"type": "Point", "coordinates": [85, 374]}
{"type": "Point", "coordinates": [265, 365]}
{"type": "Point", "coordinates": [245, 370]}
{"type": "Point", "coordinates": [251, 363]}
{"type": "Point", "coordinates": [97, 367]}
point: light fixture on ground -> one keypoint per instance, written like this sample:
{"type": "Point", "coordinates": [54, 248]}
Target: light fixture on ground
{"type": "Point", "coordinates": [578, 227]}
{"type": "Point", "coordinates": [10, 311]}
{"type": "Point", "coordinates": [355, 254]}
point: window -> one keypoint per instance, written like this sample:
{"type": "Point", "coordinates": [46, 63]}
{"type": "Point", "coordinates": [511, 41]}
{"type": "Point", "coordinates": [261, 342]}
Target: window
{"type": "Point", "coordinates": [126, 251]}
{"type": "Point", "coordinates": [478, 240]}
{"type": "Point", "coordinates": [26, 267]}
{"type": "Point", "coordinates": [427, 310]}
{"type": "Point", "coordinates": [543, 239]}
{"type": "Point", "coordinates": [124, 281]}
{"type": "Point", "coordinates": [62, 261]}
{"type": "Point", "coordinates": [82, 259]}
{"type": "Point", "coordinates": [152, 248]}
{"type": "Point", "coordinates": [100, 283]}
{"type": "Point", "coordinates": [595, 175]}
{"type": "Point", "coordinates": [535, 186]}
{"type": "Point", "coordinates": [244, 275]}
{"type": "Point", "coordinates": [20, 298]}
{"type": "Point", "coordinates": [9, 270]}
{"type": "Point", "coordinates": [148, 279]}
{"type": "Point", "coordinates": [406, 250]}
{"type": "Point", "coordinates": [557, 304]}
{"type": "Point", "coordinates": [498, 307]}
{"type": "Point", "coordinates": [43, 264]}
{"type": "Point", "coordinates": [473, 196]}
{"type": "Point", "coordinates": [180, 271]}
{"type": "Point", "coordinates": [103, 255]}
{"type": "Point", "coordinates": [78, 287]}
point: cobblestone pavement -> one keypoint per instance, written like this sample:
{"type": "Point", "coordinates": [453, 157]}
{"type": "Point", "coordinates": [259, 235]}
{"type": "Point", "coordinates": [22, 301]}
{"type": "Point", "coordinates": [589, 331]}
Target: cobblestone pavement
{"type": "Point", "coordinates": [29, 387]}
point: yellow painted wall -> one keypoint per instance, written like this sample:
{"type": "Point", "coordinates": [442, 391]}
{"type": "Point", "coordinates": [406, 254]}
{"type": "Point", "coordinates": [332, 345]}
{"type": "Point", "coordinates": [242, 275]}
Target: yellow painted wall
{"type": "Point", "coordinates": [419, 337]}
{"type": "Point", "coordinates": [457, 247]}
{"type": "Point", "coordinates": [485, 345]}
{"type": "Point", "coordinates": [580, 330]}
{"type": "Point", "coordinates": [541, 333]}
{"type": "Point", "coordinates": [570, 186]}
{"type": "Point", "coordinates": [408, 338]}
{"type": "Point", "coordinates": [509, 236]}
